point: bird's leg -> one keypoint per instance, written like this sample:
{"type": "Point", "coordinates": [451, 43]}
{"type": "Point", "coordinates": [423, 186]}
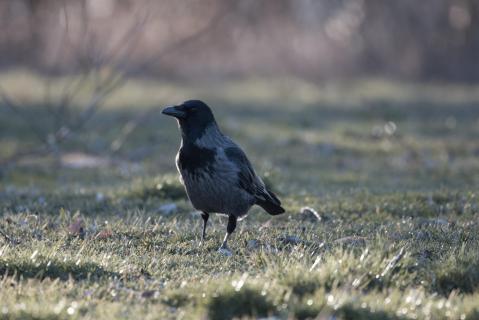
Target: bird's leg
{"type": "Point", "coordinates": [229, 230]}
{"type": "Point", "coordinates": [224, 245]}
{"type": "Point", "coordinates": [205, 217]}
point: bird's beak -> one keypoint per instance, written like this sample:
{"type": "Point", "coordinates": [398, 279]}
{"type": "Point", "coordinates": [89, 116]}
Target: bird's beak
{"type": "Point", "coordinates": [174, 111]}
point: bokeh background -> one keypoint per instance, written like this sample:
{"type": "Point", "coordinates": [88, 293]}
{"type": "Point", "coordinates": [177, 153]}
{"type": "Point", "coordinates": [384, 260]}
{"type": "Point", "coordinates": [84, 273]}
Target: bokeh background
{"type": "Point", "coordinates": [315, 40]}
{"type": "Point", "coordinates": [361, 115]}
{"type": "Point", "coordinates": [353, 90]}
{"type": "Point", "coordinates": [347, 93]}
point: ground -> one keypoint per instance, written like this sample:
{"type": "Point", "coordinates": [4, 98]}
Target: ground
{"type": "Point", "coordinates": [390, 168]}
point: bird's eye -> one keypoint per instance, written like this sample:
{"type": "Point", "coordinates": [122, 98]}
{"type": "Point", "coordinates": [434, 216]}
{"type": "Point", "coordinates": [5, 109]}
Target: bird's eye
{"type": "Point", "coordinates": [187, 109]}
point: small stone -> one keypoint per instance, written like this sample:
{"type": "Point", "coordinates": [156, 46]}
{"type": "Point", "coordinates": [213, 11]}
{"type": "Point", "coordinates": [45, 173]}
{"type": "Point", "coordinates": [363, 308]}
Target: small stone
{"type": "Point", "coordinates": [434, 222]}
{"type": "Point", "coordinates": [225, 251]}
{"type": "Point", "coordinates": [308, 213]}
{"type": "Point", "coordinates": [290, 240]}
{"type": "Point", "coordinates": [252, 244]}
{"type": "Point", "coordinates": [354, 241]}
{"type": "Point", "coordinates": [269, 249]}
{"type": "Point", "coordinates": [168, 209]}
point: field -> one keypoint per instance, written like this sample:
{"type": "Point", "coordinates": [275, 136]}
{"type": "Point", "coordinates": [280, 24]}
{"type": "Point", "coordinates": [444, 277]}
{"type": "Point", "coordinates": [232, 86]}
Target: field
{"type": "Point", "coordinates": [392, 170]}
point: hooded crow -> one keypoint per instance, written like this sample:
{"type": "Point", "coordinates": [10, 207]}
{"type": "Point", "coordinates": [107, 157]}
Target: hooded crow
{"type": "Point", "coordinates": [215, 172]}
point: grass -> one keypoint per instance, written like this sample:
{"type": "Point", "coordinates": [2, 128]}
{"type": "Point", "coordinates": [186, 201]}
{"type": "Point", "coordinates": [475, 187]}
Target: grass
{"type": "Point", "coordinates": [392, 169]}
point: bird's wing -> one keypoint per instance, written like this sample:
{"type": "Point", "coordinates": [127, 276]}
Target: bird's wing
{"type": "Point", "coordinates": [248, 180]}
{"type": "Point", "coordinates": [251, 183]}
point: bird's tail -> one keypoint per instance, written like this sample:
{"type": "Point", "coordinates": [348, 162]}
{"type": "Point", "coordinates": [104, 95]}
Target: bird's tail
{"type": "Point", "coordinates": [269, 202]}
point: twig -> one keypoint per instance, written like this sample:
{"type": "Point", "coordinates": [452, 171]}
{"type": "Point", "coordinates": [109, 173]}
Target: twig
{"type": "Point", "coordinates": [219, 16]}
{"type": "Point", "coordinates": [128, 41]}
{"type": "Point", "coordinates": [129, 128]}
{"type": "Point", "coordinates": [91, 63]}
{"type": "Point", "coordinates": [393, 262]}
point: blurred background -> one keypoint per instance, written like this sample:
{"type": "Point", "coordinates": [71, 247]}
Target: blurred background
{"type": "Point", "coordinates": [316, 40]}
{"type": "Point", "coordinates": [361, 115]}
{"type": "Point", "coordinates": [324, 95]}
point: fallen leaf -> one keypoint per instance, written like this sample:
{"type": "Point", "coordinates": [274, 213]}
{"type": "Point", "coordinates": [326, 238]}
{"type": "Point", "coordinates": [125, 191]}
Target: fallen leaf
{"type": "Point", "coordinates": [77, 228]}
{"type": "Point", "coordinates": [104, 234]}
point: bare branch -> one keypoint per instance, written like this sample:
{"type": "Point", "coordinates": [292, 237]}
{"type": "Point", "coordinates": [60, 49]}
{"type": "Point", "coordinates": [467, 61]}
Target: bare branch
{"type": "Point", "coordinates": [66, 98]}
{"type": "Point", "coordinates": [129, 128]}
{"type": "Point", "coordinates": [180, 44]}
{"type": "Point", "coordinates": [128, 41]}
{"type": "Point", "coordinates": [92, 64]}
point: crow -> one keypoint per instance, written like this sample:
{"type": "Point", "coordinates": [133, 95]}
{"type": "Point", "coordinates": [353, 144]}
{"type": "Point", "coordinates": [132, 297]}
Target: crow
{"type": "Point", "coordinates": [216, 174]}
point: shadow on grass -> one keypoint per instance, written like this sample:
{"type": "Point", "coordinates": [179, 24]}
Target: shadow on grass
{"type": "Point", "coordinates": [464, 278]}
{"type": "Point", "coordinates": [349, 312]}
{"type": "Point", "coordinates": [246, 302]}
{"type": "Point", "coordinates": [305, 284]}
{"type": "Point", "coordinates": [23, 315]}
{"type": "Point", "coordinates": [55, 270]}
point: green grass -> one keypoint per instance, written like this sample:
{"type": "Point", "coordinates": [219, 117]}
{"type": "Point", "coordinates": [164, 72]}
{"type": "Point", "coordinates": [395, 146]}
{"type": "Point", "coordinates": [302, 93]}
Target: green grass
{"type": "Point", "coordinates": [391, 168]}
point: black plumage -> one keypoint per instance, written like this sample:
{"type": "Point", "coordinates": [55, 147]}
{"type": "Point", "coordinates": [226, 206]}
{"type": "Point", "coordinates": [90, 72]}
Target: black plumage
{"type": "Point", "coordinates": [216, 173]}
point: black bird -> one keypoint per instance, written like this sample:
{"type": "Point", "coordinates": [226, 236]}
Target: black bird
{"type": "Point", "coordinates": [216, 173]}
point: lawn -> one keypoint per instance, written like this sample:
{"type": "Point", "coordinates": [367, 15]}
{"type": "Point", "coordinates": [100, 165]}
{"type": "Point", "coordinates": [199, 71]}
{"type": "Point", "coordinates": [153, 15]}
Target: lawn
{"type": "Point", "coordinates": [390, 168]}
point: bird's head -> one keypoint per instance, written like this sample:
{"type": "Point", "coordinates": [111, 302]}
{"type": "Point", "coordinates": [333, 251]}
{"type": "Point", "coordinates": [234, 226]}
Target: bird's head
{"type": "Point", "coordinates": [193, 116]}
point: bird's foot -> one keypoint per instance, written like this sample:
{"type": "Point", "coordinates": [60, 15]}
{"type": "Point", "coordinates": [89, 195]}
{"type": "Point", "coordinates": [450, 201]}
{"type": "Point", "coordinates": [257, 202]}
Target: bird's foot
{"type": "Point", "coordinates": [225, 251]}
